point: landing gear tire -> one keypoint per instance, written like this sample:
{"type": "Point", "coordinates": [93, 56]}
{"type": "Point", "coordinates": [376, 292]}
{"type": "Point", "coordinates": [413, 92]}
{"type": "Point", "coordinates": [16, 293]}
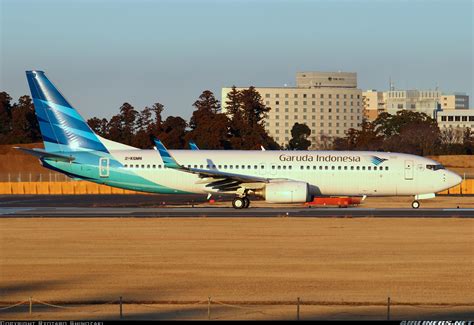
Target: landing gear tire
{"type": "Point", "coordinates": [247, 202]}
{"type": "Point", "coordinates": [415, 204]}
{"type": "Point", "coordinates": [238, 203]}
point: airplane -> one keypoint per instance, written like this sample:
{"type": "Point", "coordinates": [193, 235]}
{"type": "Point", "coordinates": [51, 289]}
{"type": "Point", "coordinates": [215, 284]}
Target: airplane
{"type": "Point", "coordinates": [72, 148]}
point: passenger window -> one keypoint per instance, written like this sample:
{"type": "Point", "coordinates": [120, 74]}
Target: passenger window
{"type": "Point", "coordinates": [352, 167]}
{"type": "Point", "coordinates": [243, 166]}
{"type": "Point", "coordinates": [302, 167]}
{"type": "Point", "coordinates": [220, 166]}
{"type": "Point", "coordinates": [308, 167]}
{"type": "Point", "coordinates": [358, 167]}
{"type": "Point", "coordinates": [154, 166]}
{"type": "Point", "coordinates": [195, 166]}
{"type": "Point", "coordinates": [320, 167]}
{"type": "Point", "coordinates": [225, 166]}
{"type": "Point", "coordinates": [143, 166]}
{"type": "Point", "coordinates": [339, 167]}
{"type": "Point", "coordinates": [363, 167]}
{"type": "Point", "coordinates": [273, 166]}
{"type": "Point", "coordinates": [125, 166]}
{"type": "Point", "coordinates": [159, 166]}
{"type": "Point", "coordinates": [249, 167]}
{"type": "Point", "coordinates": [315, 167]}
{"type": "Point", "coordinates": [284, 167]}
{"type": "Point", "coordinates": [369, 168]}
{"type": "Point", "coordinates": [345, 167]}
{"type": "Point", "coordinates": [386, 167]}
{"type": "Point", "coordinates": [231, 166]}
{"type": "Point", "coordinates": [375, 167]}
{"type": "Point", "coordinates": [333, 167]}
{"type": "Point", "coordinates": [147, 166]}
{"type": "Point", "coordinates": [279, 167]}
{"type": "Point", "coordinates": [326, 167]}
{"type": "Point", "coordinates": [289, 167]}
{"type": "Point", "coordinates": [137, 166]}
{"type": "Point", "coordinates": [255, 166]}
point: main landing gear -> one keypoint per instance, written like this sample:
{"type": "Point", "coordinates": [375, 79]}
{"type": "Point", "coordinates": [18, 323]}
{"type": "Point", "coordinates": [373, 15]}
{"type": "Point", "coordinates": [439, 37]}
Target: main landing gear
{"type": "Point", "coordinates": [415, 204]}
{"type": "Point", "coordinates": [241, 203]}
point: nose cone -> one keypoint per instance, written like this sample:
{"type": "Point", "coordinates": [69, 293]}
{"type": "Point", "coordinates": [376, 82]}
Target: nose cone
{"type": "Point", "coordinates": [453, 179]}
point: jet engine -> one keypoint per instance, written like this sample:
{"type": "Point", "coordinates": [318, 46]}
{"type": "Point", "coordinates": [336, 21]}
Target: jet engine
{"type": "Point", "coordinates": [285, 192]}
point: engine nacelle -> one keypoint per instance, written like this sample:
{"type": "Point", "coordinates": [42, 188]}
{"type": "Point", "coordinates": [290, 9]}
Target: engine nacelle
{"type": "Point", "coordinates": [286, 192]}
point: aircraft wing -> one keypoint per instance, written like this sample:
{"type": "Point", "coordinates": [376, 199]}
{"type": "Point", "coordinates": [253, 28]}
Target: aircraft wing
{"type": "Point", "coordinates": [214, 179]}
{"type": "Point", "coordinates": [40, 153]}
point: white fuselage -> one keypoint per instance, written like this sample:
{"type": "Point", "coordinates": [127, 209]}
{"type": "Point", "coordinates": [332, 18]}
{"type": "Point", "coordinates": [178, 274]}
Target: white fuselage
{"type": "Point", "coordinates": [328, 173]}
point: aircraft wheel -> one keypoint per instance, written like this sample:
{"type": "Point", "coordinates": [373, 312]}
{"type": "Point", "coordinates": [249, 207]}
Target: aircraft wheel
{"type": "Point", "coordinates": [415, 204]}
{"type": "Point", "coordinates": [238, 203]}
{"type": "Point", "coordinates": [247, 202]}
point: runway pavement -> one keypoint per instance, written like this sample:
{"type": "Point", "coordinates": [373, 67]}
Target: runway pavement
{"type": "Point", "coordinates": [100, 200]}
{"type": "Point", "coordinates": [213, 212]}
{"type": "Point", "coordinates": [172, 206]}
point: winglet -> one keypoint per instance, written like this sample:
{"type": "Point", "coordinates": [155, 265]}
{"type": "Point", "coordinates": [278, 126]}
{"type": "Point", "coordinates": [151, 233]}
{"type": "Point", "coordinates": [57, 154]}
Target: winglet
{"type": "Point", "coordinates": [168, 160]}
{"type": "Point", "coordinates": [193, 146]}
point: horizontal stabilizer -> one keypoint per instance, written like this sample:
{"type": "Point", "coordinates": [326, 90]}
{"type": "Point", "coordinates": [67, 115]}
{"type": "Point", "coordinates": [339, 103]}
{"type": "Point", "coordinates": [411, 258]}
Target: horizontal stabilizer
{"type": "Point", "coordinates": [41, 153]}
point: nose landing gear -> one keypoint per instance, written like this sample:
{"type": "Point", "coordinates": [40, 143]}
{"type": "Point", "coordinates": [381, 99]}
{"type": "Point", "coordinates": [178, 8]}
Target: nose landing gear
{"type": "Point", "coordinates": [415, 204]}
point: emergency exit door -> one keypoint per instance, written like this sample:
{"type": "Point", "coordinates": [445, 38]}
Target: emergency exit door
{"type": "Point", "coordinates": [104, 167]}
{"type": "Point", "coordinates": [409, 168]}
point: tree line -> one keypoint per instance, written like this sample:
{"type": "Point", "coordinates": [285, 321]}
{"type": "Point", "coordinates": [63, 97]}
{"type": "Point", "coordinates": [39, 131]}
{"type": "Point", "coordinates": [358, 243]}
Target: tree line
{"type": "Point", "coordinates": [407, 132]}
{"type": "Point", "coordinates": [243, 127]}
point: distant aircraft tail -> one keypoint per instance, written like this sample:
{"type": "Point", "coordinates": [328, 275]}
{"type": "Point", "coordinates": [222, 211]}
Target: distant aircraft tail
{"type": "Point", "coordinates": [62, 128]}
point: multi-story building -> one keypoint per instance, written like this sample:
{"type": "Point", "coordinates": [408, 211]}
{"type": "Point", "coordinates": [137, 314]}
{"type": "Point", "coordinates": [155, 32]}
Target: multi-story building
{"type": "Point", "coordinates": [456, 118]}
{"type": "Point", "coordinates": [329, 103]}
{"type": "Point", "coordinates": [424, 101]}
{"type": "Point", "coordinates": [374, 103]}
{"type": "Point", "coordinates": [454, 101]}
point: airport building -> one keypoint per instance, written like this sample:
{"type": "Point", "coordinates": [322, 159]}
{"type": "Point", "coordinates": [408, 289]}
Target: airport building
{"type": "Point", "coordinates": [329, 103]}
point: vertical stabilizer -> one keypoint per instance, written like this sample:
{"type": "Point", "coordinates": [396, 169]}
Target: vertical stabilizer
{"type": "Point", "coordinates": [62, 128]}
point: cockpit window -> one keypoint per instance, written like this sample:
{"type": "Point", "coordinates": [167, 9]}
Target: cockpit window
{"type": "Point", "coordinates": [435, 167]}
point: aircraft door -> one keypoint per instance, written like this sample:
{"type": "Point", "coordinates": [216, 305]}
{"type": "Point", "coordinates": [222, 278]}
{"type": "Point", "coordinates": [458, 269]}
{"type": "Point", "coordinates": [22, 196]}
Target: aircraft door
{"type": "Point", "coordinates": [104, 167]}
{"type": "Point", "coordinates": [409, 168]}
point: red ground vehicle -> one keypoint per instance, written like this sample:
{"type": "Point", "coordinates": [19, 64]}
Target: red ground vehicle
{"type": "Point", "coordinates": [342, 202]}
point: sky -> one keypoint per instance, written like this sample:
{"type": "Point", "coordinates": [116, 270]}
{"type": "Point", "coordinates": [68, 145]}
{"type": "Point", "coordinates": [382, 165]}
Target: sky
{"type": "Point", "coordinates": [103, 53]}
